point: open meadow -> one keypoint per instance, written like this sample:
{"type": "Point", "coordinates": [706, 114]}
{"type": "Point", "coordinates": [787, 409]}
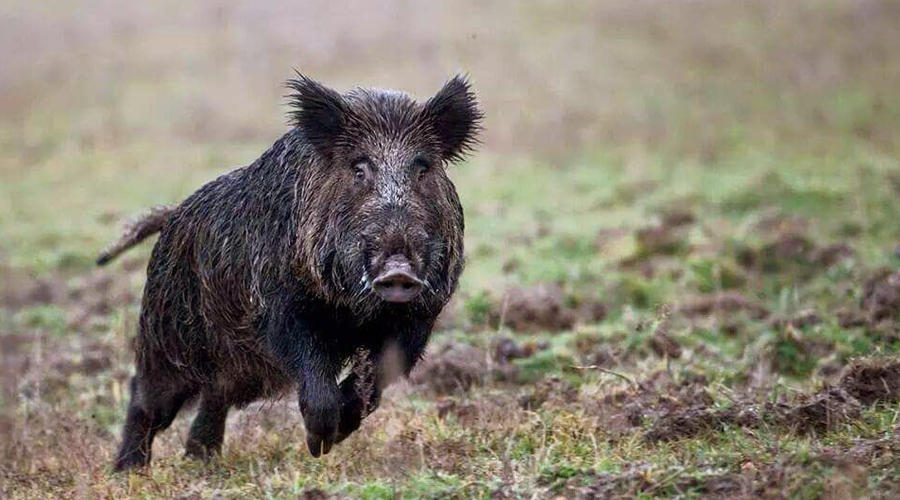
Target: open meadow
{"type": "Point", "coordinates": [682, 244]}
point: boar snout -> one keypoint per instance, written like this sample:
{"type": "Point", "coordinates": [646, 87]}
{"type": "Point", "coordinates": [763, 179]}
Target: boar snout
{"type": "Point", "coordinates": [397, 282]}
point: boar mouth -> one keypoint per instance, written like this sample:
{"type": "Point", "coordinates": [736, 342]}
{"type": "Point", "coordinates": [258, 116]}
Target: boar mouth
{"type": "Point", "coordinates": [397, 282]}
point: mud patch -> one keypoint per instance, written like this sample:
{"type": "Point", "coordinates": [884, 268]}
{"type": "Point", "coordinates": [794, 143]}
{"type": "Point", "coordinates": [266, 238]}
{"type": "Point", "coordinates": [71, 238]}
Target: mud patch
{"type": "Point", "coordinates": [606, 237]}
{"type": "Point", "coordinates": [872, 380]}
{"type": "Point", "coordinates": [645, 479]}
{"type": "Point", "coordinates": [19, 290]}
{"type": "Point", "coordinates": [98, 294]}
{"type": "Point", "coordinates": [543, 307]}
{"type": "Point", "coordinates": [14, 360]}
{"type": "Point", "coordinates": [43, 365]}
{"type": "Point", "coordinates": [451, 368]}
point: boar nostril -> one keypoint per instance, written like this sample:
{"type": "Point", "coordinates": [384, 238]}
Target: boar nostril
{"type": "Point", "coordinates": [397, 284]}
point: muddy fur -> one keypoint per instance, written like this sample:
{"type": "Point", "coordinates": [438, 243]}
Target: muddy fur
{"type": "Point", "coordinates": [261, 281]}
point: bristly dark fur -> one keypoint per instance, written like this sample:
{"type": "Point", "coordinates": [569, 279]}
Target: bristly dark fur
{"type": "Point", "coordinates": [456, 116]}
{"type": "Point", "coordinates": [261, 281]}
{"type": "Point", "coordinates": [317, 110]}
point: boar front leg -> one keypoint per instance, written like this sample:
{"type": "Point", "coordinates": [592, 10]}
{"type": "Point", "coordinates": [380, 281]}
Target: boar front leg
{"type": "Point", "coordinates": [375, 369]}
{"type": "Point", "coordinates": [360, 392]}
{"type": "Point", "coordinates": [308, 358]}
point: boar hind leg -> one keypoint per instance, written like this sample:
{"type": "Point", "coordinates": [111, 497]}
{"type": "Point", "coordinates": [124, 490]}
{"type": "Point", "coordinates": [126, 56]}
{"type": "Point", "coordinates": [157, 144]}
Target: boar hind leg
{"type": "Point", "coordinates": [151, 410]}
{"type": "Point", "coordinates": [208, 429]}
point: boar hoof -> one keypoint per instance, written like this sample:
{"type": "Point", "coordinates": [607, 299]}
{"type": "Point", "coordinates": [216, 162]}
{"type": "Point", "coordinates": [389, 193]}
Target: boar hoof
{"type": "Point", "coordinates": [321, 430]}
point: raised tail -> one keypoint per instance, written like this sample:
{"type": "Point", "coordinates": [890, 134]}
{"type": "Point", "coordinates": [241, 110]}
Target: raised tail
{"type": "Point", "coordinates": [136, 231]}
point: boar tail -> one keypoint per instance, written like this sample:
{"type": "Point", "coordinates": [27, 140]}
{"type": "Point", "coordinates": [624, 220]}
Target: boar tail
{"type": "Point", "coordinates": [136, 231]}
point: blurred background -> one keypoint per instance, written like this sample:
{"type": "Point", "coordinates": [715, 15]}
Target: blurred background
{"type": "Point", "coordinates": [640, 157]}
{"type": "Point", "coordinates": [106, 97]}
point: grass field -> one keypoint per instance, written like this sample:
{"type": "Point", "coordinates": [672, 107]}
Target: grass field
{"type": "Point", "coordinates": [683, 244]}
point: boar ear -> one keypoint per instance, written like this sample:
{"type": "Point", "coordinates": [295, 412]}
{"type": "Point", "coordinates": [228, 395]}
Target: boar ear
{"type": "Point", "coordinates": [454, 116]}
{"type": "Point", "coordinates": [317, 110]}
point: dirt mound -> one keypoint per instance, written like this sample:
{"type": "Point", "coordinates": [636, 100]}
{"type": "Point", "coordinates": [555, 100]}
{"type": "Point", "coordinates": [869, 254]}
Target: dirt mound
{"type": "Point", "coordinates": [603, 356]}
{"type": "Point", "coordinates": [549, 390]}
{"type": "Point", "coordinates": [668, 237]}
{"type": "Point", "coordinates": [651, 398]}
{"type": "Point", "coordinates": [787, 246]}
{"type": "Point", "coordinates": [724, 302]}
{"type": "Point", "coordinates": [660, 240]}
{"type": "Point", "coordinates": [450, 368]}
{"type": "Point", "coordinates": [827, 410]}
{"type": "Point", "coordinates": [799, 320]}
{"type": "Point", "coordinates": [465, 413]}
{"type": "Point", "coordinates": [533, 309]}
{"type": "Point", "coordinates": [507, 349]}
{"type": "Point", "coordinates": [862, 452]}
{"type": "Point", "coordinates": [881, 296]}
{"type": "Point", "coordinates": [832, 254]}
{"type": "Point", "coordinates": [488, 411]}
{"type": "Point", "coordinates": [543, 308]}
{"type": "Point", "coordinates": [664, 344]}
{"type": "Point", "coordinates": [878, 307]}
{"type": "Point", "coordinates": [450, 317]}
{"type": "Point", "coordinates": [693, 421]}
{"type": "Point", "coordinates": [873, 380]}
{"type": "Point", "coordinates": [848, 317]}
{"type": "Point", "coordinates": [318, 494]}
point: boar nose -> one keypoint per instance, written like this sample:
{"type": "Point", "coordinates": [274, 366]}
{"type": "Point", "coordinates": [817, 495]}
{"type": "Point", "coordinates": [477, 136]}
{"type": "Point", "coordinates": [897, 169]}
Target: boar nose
{"type": "Point", "coordinates": [397, 282]}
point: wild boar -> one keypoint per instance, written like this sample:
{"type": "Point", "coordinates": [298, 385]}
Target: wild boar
{"type": "Point", "coordinates": [345, 237]}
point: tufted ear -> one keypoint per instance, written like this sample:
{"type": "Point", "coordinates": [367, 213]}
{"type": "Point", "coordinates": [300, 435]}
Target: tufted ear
{"type": "Point", "coordinates": [317, 110]}
{"type": "Point", "coordinates": [455, 118]}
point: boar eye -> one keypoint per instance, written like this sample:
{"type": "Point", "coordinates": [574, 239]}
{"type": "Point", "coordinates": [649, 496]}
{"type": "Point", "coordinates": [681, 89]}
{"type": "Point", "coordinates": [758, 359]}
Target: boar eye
{"type": "Point", "coordinates": [361, 171]}
{"type": "Point", "coordinates": [420, 168]}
